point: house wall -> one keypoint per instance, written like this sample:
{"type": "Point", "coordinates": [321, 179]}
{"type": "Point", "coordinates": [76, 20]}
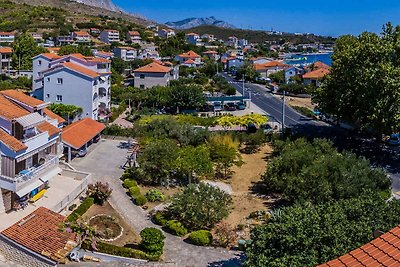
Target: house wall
{"type": "Point", "coordinates": [151, 79]}
{"type": "Point", "coordinates": [37, 69]}
{"type": "Point", "coordinates": [76, 90]}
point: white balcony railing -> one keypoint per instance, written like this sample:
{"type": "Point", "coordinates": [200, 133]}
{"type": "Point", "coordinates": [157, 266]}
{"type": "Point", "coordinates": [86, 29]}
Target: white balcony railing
{"type": "Point", "coordinates": [33, 172]}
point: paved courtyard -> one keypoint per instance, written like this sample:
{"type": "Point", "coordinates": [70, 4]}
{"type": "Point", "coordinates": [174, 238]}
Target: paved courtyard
{"type": "Point", "coordinates": [103, 161]}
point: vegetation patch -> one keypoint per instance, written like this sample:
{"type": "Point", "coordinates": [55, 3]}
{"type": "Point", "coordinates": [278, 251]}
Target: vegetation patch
{"type": "Point", "coordinates": [106, 227]}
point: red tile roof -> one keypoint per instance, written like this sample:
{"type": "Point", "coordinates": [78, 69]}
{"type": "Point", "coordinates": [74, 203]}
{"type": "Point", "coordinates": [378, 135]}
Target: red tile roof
{"type": "Point", "coordinates": [81, 33]}
{"type": "Point", "coordinates": [40, 232]}
{"type": "Point", "coordinates": [9, 110]}
{"type": "Point", "coordinates": [79, 133]}
{"type": "Point", "coordinates": [316, 74]}
{"type": "Point", "coordinates": [189, 61]}
{"type": "Point", "coordinates": [210, 52]}
{"type": "Point", "coordinates": [153, 67]}
{"type": "Point", "coordinates": [381, 252]}
{"type": "Point", "coordinates": [320, 65]}
{"type": "Point", "coordinates": [53, 116]}
{"type": "Point", "coordinates": [51, 55]}
{"type": "Point", "coordinates": [134, 33]}
{"type": "Point", "coordinates": [48, 127]}
{"type": "Point", "coordinates": [80, 69]}
{"type": "Point", "coordinates": [6, 50]}
{"type": "Point", "coordinates": [19, 96]}
{"type": "Point", "coordinates": [191, 54]}
{"type": "Point", "coordinates": [11, 142]}
{"type": "Point", "coordinates": [272, 64]}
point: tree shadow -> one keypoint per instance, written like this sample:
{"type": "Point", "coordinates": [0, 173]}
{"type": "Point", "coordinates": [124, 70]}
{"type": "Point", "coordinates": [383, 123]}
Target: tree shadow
{"type": "Point", "coordinates": [234, 262]}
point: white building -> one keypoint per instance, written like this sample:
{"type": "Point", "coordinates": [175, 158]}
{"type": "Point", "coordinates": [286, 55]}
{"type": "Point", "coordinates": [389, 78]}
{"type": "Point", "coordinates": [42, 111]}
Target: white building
{"type": "Point", "coordinates": [75, 80]}
{"type": "Point", "coordinates": [109, 36]}
{"type": "Point", "coordinates": [81, 37]}
{"type": "Point", "coordinates": [133, 37]}
{"type": "Point", "coordinates": [166, 33]}
{"type": "Point", "coordinates": [7, 37]}
{"type": "Point", "coordinates": [192, 38]}
{"type": "Point", "coordinates": [29, 148]}
{"type": "Point", "coordinates": [155, 74]}
{"type": "Point", "coordinates": [125, 53]}
{"type": "Point", "coordinates": [233, 41]}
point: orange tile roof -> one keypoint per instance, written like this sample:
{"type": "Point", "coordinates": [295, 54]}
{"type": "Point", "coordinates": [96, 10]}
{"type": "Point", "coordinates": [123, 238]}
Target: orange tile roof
{"type": "Point", "coordinates": [189, 61]}
{"type": "Point", "coordinates": [259, 67]}
{"type": "Point", "coordinates": [320, 65]}
{"type": "Point", "coordinates": [316, 74]}
{"type": "Point", "coordinates": [79, 133]}
{"type": "Point", "coordinates": [81, 33]}
{"type": "Point", "coordinates": [191, 54]}
{"type": "Point", "coordinates": [40, 232]}
{"type": "Point", "coordinates": [10, 110]}
{"type": "Point", "coordinates": [11, 142]}
{"type": "Point", "coordinates": [89, 59]}
{"type": "Point", "coordinates": [51, 56]}
{"type": "Point", "coordinates": [53, 116]}
{"type": "Point", "coordinates": [210, 52]}
{"type": "Point", "coordinates": [48, 127]}
{"type": "Point", "coordinates": [80, 69]}
{"type": "Point", "coordinates": [153, 67]}
{"type": "Point", "coordinates": [7, 33]}
{"type": "Point", "coordinates": [19, 96]}
{"type": "Point", "coordinates": [383, 251]}
{"type": "Point", "coordinates": [274, 63]}
{"type": "Point", "coordinates": [6, 50]}
{"type": "Point", "coordinates": [134, 33]}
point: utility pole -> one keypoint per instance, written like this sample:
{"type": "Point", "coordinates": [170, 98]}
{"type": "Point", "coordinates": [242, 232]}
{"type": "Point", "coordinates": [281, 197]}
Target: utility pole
{"type": "Point", "coordinates": [283, 112]}
{"type": "Point", "coordinates": [243, 84]}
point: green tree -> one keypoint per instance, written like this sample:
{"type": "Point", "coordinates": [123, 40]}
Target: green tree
{"type": "Point", "coordinates": [200, 206]}
{"type": "Point", "coordinates": [194, 162]}
{"type": "Point", "coordinates": [308, 235]}
{"type": "Point", "coordinates": [24, 49]}
{"type": "Point", "coordinates": [248, 70]}
{"type": "Point", "coordinates": [363, 86]}
{"type": "Point", "coordinates": [278, 77]}
{"type": "Point", "coordinates": [186, 97]}
{"type": "Point", "coordinates": [68, 112]}
{"type": "Point", "coordinates": [152, 241]}
{"type": "Point", "coordinates": [316, 172]}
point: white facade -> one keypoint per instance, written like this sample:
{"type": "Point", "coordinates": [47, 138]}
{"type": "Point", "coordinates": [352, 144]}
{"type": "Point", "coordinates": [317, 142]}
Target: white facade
{"type": "Point", "coordinates": [109, 36]}
{"type": "Point", "coordinates": [166, 33]}
{"type": "Point", "coordinates": [7, 37]}
{"type": "Point", "coordinates": [125, 53]}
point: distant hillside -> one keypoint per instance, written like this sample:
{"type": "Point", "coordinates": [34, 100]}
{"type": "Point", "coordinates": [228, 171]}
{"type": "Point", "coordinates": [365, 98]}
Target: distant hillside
{"type": "Point", "coordinates": [196, 22]}
{"type": "Point", "coordinates": [105, 4]}
{"type": "Point", "coordinates": [257, 36]}
{"type": "Point", "coordinates": [84, 10]}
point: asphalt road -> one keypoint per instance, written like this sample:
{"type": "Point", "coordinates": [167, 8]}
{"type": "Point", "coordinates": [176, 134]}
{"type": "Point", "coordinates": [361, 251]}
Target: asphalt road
{"type": "Point", "coordinates": [379, 154]}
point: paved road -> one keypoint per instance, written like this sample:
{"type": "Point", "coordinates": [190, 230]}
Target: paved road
{"type": "Point", "coordinates": [103, 162]}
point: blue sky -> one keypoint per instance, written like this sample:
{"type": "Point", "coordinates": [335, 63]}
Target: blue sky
{"type": "Point", "coordinates": [334, 17]}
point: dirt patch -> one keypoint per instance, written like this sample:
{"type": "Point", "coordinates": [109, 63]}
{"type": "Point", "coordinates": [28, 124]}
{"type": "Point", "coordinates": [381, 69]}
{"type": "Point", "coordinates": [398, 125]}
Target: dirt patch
{"type": "Point", "coordinates": [108, 227]}
{"type": "Point", "coordinates": [300, 102]}
{"type": "Point", "coordinates": [128, 236]}
{"type": "Point", "coordinates": [245, 200]}
{"type": "Point", "coordinates": [168, 192]}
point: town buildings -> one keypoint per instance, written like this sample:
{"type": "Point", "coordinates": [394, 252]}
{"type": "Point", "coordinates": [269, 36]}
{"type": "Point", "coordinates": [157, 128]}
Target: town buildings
{"type": "Point", "coordinates": [109, 36]}
{"type": "Point", "coordinates": [155, 74]}
{"type": "Point", "coordinates": [30, 147]}
{"type": "Point", "coordinates": [76, 80]}
{"type": "Point", "coordinates": [7, 37]}
{"type": "Point", "coordinates": [133, 37]}
{"type": "Point", "coordinates": [166, 33]}
{"type": "Point", "coordinates": [125, 53]}
{"type": "Point", "coordinates": [5, 59]}
{"type": "Point", "coordinates": [191, 55]}
{"type": "Point", "coordinates": [192, 38]}
{"type": "Point", "coordinates": [81, 37]}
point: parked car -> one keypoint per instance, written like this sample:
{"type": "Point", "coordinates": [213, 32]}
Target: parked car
{"type": "Point", "coordinates": [394, 140]}
{"type": "Point", "coordinates": [241, 106]}
{"type": "Point", "coordinates": [96, 139]}
{"type": "Point", "coordinates": [80, 153]}
{"type": "Point", "coordinates": [217, 106]}
{"type": "Point", "coordinates": [230, 106]}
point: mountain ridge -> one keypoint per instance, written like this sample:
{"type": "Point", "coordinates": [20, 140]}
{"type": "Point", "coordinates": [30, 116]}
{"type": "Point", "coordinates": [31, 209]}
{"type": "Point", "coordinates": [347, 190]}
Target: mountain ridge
{"type": "Point", "coordinates": [196, 22]}
{"type": "Point", "coordinates": [105, 4]}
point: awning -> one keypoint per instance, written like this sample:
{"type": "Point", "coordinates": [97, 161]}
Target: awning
{"type": "Point", "coordinates": [24, 191]}
{"type": "Point", "coordinates": [50, 175]}
{"type": "Point", "coordinates": [30, 120]}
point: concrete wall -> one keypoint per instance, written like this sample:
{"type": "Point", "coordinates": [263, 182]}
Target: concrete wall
{"type": "Point", "coordinates": [151, 79]}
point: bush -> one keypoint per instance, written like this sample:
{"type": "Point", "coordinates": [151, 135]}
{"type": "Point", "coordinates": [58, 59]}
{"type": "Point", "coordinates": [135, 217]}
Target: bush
{"type": "Point", "coordinates": [82, 209]}
{"type": "Point", "coordinates": [99, 191]}
{"type": "Point", "coordinates": [72, 207]}
{"type": "Point", "coordinates": [158, 218]}
{"type": "Point", "coordinates": [201, 238]}
{"type": "Point", "coordinates": [116, 250]}
{"type": "Point", "coordinates": [152, 241]}
{"type": "Point", "coordinates": [154, 195]}
{"type": "Point", "coordinates": [176, 228]}
{"type": "Point", "coordinates": [134, 191]}
{"type": "Point", "coordinates": [128, 183]}
{"type": "Point", "coordinates": [140, 200]}
{"type": "Point", "coordinates": [304, 111]}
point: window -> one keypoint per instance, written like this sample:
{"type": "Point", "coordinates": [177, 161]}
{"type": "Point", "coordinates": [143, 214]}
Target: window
{"type": "Point", "coordinates": [59, 98]}
{"type": "Point", "coordinates": [47, 95]}
{"type": "Point", "coordinates": [142, 76]}
{"type": "Point", "coordinates": [39, 62]}
{"type": "Point", "coordinates": [142, 86]}
{"type": "Point", "coordinates": [48, 79]}
{"type": "Point", "coordinates": [59, 80]}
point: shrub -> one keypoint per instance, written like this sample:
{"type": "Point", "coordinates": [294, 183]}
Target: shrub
{"type": "Point", "coordinates": [201, 238]}
{"type": "Point", "coordinates": [140, 200]}
{"type": "Point", "coordinates": [116, 250]}
{"type": "Point", "coordinates": [158, 218]}
{"type": "Point", "coordinates": [176, 228]}
{"type": "Point", "coordinates": [82, 209]}
{"type": "Point", "coordinates": [224, 234]}
{"type": "Point", "coordinates": [134, 191]}
{"type": "Point", "coordinates": [128, 183]}
{"type": "Point", "coordinates": [99, 191]}
{"type": "Point", "coordinates": [154, 195]}
{"type": "Point", "coordinates": [72, 207]}
{"type": "Point", "coordinates": [152, 241]}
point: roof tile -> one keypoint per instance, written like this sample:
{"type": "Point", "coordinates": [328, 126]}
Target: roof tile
{"type": "Point", "coordinates": [81, 132]}
{"type": "Point", "coordinates": [11, 142]}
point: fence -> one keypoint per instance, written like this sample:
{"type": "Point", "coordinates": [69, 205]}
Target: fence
{"type": "Point", "coordinates": [77, 191]}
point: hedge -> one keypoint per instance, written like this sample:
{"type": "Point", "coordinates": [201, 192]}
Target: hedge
{"type": "Point", "coordinates": [154, 195]}
{"type": "Point", "coordinates": [201, 238]}
{"type": "Point", "coordinates": [140, 200]}
{"type": "Point", "coordinates": [117, 251]}
{"type": "Point", "coordinates": [82, 209]}
{"type": "Point", "coordinates": [134, 191]}
{"type": "Point", "coordinates": [158, 218]}
{"type": "Point", "coordinates": [176, 228]}
{"type": "Point", "coordinates": [128, 183]}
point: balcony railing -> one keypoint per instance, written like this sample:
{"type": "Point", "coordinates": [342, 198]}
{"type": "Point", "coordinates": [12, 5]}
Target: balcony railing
{"type": "Point", "coordinates": [34, 172]}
